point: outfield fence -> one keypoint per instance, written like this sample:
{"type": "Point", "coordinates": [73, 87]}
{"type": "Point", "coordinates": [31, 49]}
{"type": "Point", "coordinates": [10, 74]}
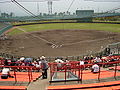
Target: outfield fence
{"type": "Point", "coordinates": [4, 27]}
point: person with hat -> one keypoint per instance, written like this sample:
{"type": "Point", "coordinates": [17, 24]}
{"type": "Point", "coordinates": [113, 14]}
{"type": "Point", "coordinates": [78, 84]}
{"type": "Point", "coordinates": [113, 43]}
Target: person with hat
{"type": "Point", "coordinates": [44, 66]}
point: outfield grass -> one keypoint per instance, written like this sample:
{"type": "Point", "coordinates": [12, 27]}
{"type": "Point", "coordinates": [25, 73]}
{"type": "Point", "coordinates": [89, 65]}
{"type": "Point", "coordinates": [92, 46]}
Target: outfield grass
{"type": "Point", "coordinates": [65, 26]}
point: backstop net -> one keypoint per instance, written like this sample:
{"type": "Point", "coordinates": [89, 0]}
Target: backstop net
{"type": "Point", "coordinates": [114, 48]}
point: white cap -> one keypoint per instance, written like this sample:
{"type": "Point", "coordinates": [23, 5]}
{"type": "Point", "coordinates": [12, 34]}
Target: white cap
{"type": "Point", "coordinates": [42, 57]}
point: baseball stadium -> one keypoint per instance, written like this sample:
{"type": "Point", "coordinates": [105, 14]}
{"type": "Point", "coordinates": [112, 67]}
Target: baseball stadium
{"type": "Point", "coordinates": [59, 45]}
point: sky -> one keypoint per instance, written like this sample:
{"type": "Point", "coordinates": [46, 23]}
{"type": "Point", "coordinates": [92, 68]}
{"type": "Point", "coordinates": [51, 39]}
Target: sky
{"type": "Point", "coordinates": [59, 6]}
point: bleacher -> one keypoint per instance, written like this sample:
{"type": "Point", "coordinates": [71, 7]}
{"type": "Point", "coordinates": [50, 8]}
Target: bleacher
{"type": "Point", "coordinates": [23, 75]}
{"type": "Point", "coordinates": [21, 79]}
{"type": "Point", "coordinates": [104, 79]}
{"type": "Point", "coordinates": [70, 71]}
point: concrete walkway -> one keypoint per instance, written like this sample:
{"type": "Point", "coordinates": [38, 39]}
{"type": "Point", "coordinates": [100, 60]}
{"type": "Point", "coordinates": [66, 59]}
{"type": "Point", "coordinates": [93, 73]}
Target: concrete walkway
{"type": "Point", "coordinates": [40, 84]}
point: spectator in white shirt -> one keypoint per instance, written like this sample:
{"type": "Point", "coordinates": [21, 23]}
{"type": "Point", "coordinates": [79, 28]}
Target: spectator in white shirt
{"type": "Point", "coordinates": [6, 73]}
{"type": "Point", "coordinates": [22, 58]}
{"type": "Point", "coordinates": [95, 68]}
{"type": "Point", "coordinates": [59, 61]}
{"type": "Point", "coordinates": [81, 62]}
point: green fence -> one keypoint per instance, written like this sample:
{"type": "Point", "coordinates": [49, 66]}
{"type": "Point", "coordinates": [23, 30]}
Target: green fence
{"type": "Point", "coordinates": [5, 29]}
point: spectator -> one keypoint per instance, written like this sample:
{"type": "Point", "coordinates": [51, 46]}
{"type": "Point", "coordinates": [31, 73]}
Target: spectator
{"type": "Point", "coordinates": [95, 68]}
{"type": "Point", "coordinates": [39, 62]}
{"type": "Point", "coordinates": [22, 58]}
{"type": "Point", "coordinates": [42, 57]}
{"type": "Point", "coordinates": [6, 73]}
{"type": "Point", "coordinates": [6, 62]}
{"type": "Point", "coordinates": [85, 58]}
{"type": "Point", "coordinates": [112, 59]}
{"type": "Point", "coordinates": [97, 59]}
{"type": "Point", "coordinates": [27, 61]}
{"type": "Point", "coordinates": [81, 62]}
{"type": "Point", "coordinates": [37, 65]}
{"type": "Point", "coordinates": [59, 60]}
{"type": "Point", "coordinates": [13, 61]}
{"type": "Point", "coordinates": [66, 60]}
{"type": "Point", "coordinates": [44, 66]}
{"type": "Point", "coordinates": [91, 57]}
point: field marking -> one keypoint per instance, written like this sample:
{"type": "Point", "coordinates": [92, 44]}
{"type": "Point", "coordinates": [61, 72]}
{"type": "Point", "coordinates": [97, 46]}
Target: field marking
{"type": "Point", "coordinates": [86, 41]}
{"type": "Point", "coordinates": [11, 29]}
{"type": "Point", "coordinates": [60, 45]}
{"type": "Point", "coordinates": [52, 46]}
{"type": "Point", "coordinates": [35, 36]}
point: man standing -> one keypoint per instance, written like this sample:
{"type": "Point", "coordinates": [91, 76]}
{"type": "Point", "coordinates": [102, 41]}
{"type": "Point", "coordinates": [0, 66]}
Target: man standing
{"type": "Point", "coordinates": [44, 66]}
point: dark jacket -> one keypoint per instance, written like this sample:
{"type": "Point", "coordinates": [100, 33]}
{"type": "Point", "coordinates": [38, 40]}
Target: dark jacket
{"type": "Point", "coordinates": [44, 64]}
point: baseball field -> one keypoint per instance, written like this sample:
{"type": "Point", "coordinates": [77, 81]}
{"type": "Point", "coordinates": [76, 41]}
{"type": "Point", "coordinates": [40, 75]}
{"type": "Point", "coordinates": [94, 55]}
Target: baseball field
{"type": "Point", "coordinates": [60, 39]}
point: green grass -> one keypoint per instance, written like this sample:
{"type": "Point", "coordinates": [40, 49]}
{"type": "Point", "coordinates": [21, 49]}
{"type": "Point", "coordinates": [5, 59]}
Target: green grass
{"type": "Point", "coordinates": [59, 26]}
{"type": "Point", "coordinates": [15, 31]}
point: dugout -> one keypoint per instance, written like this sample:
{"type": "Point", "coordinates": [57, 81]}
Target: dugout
{"type": "Point", "coordinates": [84, 15]}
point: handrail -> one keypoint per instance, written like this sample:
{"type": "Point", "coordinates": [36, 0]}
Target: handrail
{"type": "Point", "coordinates": [75, 66]}
{"type": "Point", "coordinates": [28, 68]}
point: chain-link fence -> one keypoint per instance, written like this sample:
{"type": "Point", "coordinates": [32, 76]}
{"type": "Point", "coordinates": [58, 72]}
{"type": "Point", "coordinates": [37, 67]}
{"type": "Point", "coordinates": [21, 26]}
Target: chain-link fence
{"type": "Point", "coordinates": [4, 27]}
{"type": "Point", "coordinates": [114, 48]}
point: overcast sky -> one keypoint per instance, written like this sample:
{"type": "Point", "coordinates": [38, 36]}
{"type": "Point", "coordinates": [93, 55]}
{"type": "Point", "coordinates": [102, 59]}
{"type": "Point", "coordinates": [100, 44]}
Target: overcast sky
{"type": "Point", "coordinates": [59, 6]}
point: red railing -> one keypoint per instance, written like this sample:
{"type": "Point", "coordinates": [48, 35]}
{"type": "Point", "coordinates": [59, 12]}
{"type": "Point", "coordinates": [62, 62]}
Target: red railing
{"type": "Point", "coordinates": [27, 68]}
{"type": "Point", "coordinates": [76, 67]}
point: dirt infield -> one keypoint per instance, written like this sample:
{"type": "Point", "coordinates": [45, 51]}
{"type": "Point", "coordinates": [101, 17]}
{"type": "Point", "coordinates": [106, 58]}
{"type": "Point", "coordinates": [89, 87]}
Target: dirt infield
{"type": "Point", "coordinates": [58, 42]}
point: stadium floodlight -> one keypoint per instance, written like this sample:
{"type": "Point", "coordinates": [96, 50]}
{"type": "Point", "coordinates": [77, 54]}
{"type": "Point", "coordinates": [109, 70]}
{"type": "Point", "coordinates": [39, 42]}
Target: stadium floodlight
{"type": "Point", "coordinates": [49, 2]}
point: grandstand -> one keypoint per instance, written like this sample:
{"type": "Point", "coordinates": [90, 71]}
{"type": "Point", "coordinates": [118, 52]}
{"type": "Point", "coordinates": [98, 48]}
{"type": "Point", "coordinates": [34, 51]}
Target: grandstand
{"type": "Point", "coordinates": [63, 37]}
{"type": "Point", "coordinates": [100, 80]}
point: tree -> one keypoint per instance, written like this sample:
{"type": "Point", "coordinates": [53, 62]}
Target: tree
{"type": "Point", "coordinates": [60, 14]}
{"type": "Point", "coordinates": [55, 13]}
{"type": "Point", "coordinates": [44, 14]}
{"type": "Point", "coordinates": [40, 14]}
{"type": "Point", "coordinates": [74, 14]}
{"type": "Point", "coordinates": [68, 13]}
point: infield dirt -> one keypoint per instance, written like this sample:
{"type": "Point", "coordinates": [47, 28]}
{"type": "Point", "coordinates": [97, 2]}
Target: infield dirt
{"type": "Point", "coordinates": [58, 42]}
